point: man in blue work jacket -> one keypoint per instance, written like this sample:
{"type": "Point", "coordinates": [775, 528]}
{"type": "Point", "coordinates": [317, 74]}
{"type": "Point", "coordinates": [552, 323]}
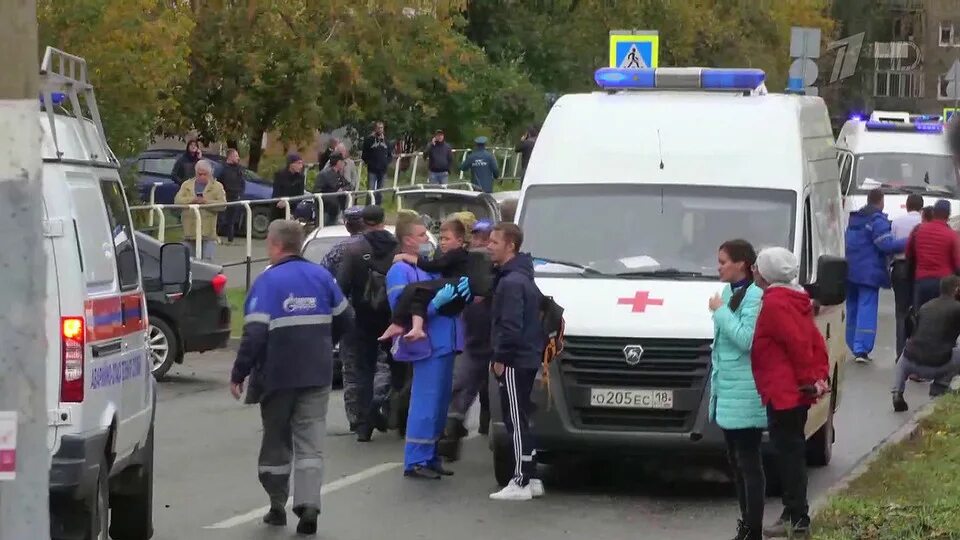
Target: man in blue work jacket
{"type": "Point", "coordinates": [293, 315]}
{"type": "Point", "coordinates": [432, 358]}
{"type": "Point", "coordinates": [870, 244]}
{"type": "Point", "coordinates": [482, 165]}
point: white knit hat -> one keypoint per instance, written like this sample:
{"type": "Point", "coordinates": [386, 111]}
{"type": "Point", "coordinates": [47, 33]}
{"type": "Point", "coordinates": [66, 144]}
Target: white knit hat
{"type": "Point", "coordinates": [777, 265]}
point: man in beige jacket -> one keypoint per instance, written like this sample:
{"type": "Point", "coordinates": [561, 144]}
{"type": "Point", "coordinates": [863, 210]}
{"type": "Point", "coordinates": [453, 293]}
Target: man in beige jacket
{"type": "Point", "coordinates": [202, 189]}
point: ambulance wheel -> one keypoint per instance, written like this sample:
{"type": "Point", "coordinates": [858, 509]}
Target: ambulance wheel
{"type": "Point", "coordinates": [820, 445]}
{"type": "Point", "coordinates": [132, 509]}
{"type": "Point", "coordinates": [97, 511]}
{"type": "Point", "coordinates": [503, 464]}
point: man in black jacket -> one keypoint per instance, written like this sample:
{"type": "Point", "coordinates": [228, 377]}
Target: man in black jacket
{"type": "Point", "coordinates": [233, 185]}
{"type": "Point", "coordinates": [376, 153]}
{"type": "Point", "coordinates": [183, 168]}
{"type": "Point", "coordinates": [518, 341]}
{"type": "Point", "coordinates": [362, 278]}
{"type": "Point", "coordinates": [931, 352]}
{"type": "Point", "coordinates": [330, 180]}
{"type": "Point", "coordinates": [288, 182]}
{"type": "Point", "coordinates": [439, 156]}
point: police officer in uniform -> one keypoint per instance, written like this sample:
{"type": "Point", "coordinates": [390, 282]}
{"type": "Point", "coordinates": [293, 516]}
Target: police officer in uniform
{"type": "Point", "coordinates": [293, 315]}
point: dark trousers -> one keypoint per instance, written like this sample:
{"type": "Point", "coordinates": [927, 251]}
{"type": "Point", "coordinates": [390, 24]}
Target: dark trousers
{"type": "Point", "coordinates": [470, 378]}
{"type": "Point", "coordinates": [331, 210]}
{"type": "Point", "coordinates": [376, 181]}
{"type": "Point", "coordinates": [231, 219]}
{"type": "Point", "coordinates": [743, 451]}
{"type": "Point", "coordinates": [903, 299]}
{"type": "Point", "coordinates": [786, 433]}
{"type": "Point", "coordinates": [361, 351]}
{"type": "Point", "coordinates": [924, 290]}
{"type": "Point", "coordinates": [515, 388]}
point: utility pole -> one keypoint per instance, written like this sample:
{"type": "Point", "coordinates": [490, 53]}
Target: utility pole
{"type": "Point", "coordinates": [24, 458]}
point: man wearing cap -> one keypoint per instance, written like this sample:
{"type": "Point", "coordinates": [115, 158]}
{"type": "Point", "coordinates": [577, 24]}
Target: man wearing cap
{"type": "Point", "coordinates": [870, 243]}
{"type": "Point", "coordinates": [353, 222]}
{"type": "Point", "coordinates": [482, 165]}
{"type": "Point", "coordinates": [362, 278]}
{"type": "Point", "coordinates": [288, 182]}
{"type": "Point", "coordinates": [439, 156]}
{"type": "Point", "coordinates": [470, 372]}
{"type": "Point", "coordinates": [933, 251]}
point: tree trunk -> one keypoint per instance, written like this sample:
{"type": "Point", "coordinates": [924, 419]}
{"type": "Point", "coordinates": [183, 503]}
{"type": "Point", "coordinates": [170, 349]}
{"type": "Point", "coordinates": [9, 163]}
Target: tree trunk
{"type": "Point", "coordinates": [256, 152]}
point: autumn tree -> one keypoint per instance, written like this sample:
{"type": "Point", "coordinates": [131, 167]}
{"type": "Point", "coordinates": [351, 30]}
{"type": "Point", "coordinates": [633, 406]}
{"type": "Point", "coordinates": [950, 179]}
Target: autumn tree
{"type": "Point", "coordinates": [136, 51]}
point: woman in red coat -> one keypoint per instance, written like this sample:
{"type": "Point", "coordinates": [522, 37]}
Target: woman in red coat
{"type": "Point", "coordinates": [790, 366]}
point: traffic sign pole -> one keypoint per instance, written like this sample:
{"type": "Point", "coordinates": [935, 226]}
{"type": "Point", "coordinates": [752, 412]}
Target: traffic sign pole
{"type": "Point", "coordinates": [24, 458]}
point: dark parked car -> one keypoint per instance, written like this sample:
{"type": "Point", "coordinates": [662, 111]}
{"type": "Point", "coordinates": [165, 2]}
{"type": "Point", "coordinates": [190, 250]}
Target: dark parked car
{"type": "Point", "coordinates": [197, 321]}
{"type": "Point", "coordinates": [153, 168]}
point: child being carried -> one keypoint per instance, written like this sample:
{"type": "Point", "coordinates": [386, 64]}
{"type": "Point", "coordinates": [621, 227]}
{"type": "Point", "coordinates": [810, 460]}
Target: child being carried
{"type": "Point", "coordinates": [454, 264]}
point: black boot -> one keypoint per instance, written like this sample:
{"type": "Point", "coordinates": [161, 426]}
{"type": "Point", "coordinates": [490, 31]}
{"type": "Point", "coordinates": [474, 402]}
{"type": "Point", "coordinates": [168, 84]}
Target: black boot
{"type": "Point", "coordinates": [449, 448]}
{"type": "Point", "coordinates": [276, 517]}
{"type": "Point", "coordinates": [899, 404]}
{"type": "Point", "coordinates": [484, 422]}
{"type": "Point", "coordinates": [308, 521]}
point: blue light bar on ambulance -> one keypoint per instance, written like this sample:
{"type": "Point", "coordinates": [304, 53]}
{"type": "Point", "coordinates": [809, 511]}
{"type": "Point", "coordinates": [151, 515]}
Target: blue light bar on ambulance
{"type": "Point", "coordinates": [921, 127]}
{"type": "Point", "coordinates": [56, 97]}
{"type": "Point", "coordinates": [679, 79]}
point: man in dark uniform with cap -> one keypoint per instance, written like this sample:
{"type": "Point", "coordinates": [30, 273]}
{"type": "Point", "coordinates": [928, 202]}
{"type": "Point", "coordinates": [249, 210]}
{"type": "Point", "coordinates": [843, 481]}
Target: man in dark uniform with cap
{"type": "Point", "coordinates": [482, 165]}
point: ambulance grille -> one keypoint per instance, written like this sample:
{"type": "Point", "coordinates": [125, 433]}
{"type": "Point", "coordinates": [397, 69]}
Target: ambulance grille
{"type": "Point", "coordinates": [681, 365]}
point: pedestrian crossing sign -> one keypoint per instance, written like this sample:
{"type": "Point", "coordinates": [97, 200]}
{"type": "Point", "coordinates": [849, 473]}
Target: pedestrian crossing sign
{"type": "Point", "coordinates": [949, 113]}
{"type": "Point", "coordinates": [634, 49]}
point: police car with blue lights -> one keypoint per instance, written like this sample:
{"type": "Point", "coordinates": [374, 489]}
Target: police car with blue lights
{"type": "Point", "coordinates": [899, 153]}
{"type": "Point", "coordinates": [680, 160]}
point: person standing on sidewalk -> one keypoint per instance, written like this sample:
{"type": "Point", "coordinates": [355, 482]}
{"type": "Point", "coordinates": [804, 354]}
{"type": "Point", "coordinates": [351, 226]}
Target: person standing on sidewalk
{"type": "Point", "coordinates": [204, 190]}
{"type": "Point", "coordinates": [376, 154]}
{"type": "Point", "coordinates": [901, 275]}
{"type": "Point", "coordinates": [791, 369]}
{"type": "Point", "coordinates": [931, 351]}
{"type": "Point", "coordinates": [734, 402]}
{"type": "Point", "coordinates": [233, 185]}
{"type": "Point", "coordinates": [293, 315]}
{"type": "Point", "coordinates": [439, 156]}
{"type": "Point", "coordinates": [525, 149]}
{"type": "Point", "coordinates": [288, 182]}
{"type": "Point", "coordinates": [934, 252]}
{"type": "Point", "coordinates": [184, 167]}
{"type": "Point", "coordinates": [869, 244]}
{"type": "Point", "coordinates": [518, 341]}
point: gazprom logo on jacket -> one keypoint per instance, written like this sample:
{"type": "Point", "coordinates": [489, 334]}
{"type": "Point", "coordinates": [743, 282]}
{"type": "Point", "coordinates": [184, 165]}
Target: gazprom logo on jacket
{"type": "Point", "coordinates": [294, 304]}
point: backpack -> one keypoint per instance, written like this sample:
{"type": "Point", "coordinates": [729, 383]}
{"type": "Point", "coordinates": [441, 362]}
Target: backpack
{"type": "Point", "coordinates": [554, 327]}
{"type": "Point", "coordinates": [374, 294]}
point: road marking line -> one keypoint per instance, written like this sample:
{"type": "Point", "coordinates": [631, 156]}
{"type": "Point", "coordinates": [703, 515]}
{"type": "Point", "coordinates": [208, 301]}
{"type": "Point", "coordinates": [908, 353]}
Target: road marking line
{"type": "Point", "coordinates": [336, 485]}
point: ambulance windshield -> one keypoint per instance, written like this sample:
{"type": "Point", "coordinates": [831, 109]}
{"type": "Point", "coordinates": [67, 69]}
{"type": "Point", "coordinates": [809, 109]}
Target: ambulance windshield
{"type": "Point", "coordinates": [661, 231]}
{"type": "Point", "coordinates": [907, 173]}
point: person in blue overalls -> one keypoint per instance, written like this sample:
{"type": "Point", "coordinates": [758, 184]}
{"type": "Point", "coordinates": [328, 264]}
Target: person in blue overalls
{"type": "Point", "coordinates": [432, 358]}
{"type": "Point", "coordinates": [482, 165]}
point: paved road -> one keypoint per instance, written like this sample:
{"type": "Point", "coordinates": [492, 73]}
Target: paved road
{"type": "Point", "coordinates": [207, 447]}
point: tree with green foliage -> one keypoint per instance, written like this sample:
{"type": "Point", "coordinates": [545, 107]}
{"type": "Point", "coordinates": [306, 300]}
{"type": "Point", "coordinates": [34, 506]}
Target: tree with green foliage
{"type": "Point", "coordinates": [136, 51]}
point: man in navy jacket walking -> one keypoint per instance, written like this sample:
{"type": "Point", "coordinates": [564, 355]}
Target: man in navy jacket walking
{"type": "Point", "coordinates": [293, 315]}
{"type": "Point", "coordinates": [870, 244]}
{"type": "Point", "coordinates": [518, 341]}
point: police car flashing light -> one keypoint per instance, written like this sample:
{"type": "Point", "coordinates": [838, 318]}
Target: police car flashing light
{"type": "Point", "coordinates": [920, 127]}
{"type": "Point", "coordinates": [745, 79]}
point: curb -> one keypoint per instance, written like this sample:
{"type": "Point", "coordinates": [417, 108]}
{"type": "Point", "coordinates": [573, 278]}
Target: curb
{"type": "Point", "coordinates": [906, 432]}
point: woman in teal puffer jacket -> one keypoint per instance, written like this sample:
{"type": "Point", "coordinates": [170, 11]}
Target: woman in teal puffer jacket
{"type": "Point", "coordinates": [734, 402]}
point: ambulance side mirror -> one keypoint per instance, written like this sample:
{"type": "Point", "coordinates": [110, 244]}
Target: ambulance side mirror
{"type": "Point", "coordinates": [175, 266]}
{"type": "Point", "coordinates": [830, 289]}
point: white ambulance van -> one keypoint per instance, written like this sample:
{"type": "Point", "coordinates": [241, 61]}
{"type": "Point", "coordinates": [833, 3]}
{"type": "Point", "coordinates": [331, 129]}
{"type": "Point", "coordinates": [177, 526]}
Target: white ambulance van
{"type": "Point", "coordinates": [627, 198]}
{"type": "Point", "coordinates": [899, 153]}
{"type": "Point", "coordinates": [100, 392]}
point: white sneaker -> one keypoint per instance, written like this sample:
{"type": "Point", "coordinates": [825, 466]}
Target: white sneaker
{"type": "Point", "coordinates": [513, 492]}
{"type": "Point", "coordinates": [536, 487]}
